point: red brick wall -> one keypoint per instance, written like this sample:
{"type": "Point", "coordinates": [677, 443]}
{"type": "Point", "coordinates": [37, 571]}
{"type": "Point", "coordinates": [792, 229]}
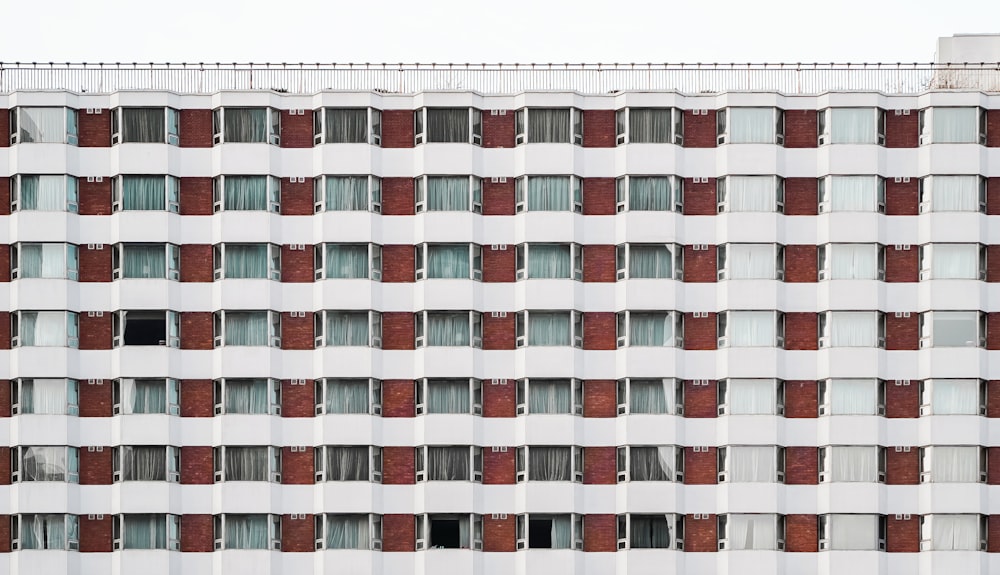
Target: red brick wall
{"type": "Point", "coordinates": [297, 197]}
{"type": "Point", "coordinates": [95, 466]}
{"type": "Point", "coordinates": [398, 530]}
{"type": "Point", "coordinates": [196, 330]}
{"type": "Point", "coordinates": [397, 128]}
{"type": "Point", "coordinates": [992, 263]}
{"type": "Point", "coordinates": [4, 466]}
{"type": "Point", "coordinates": [700, 199]}
{"type": "Point", "coordinates": [95, 264]}
{"type": "Point", "coordinates": [398, 466]}
{"type": "Point", "coordinates": [600, 398]}
{"type": "Point", "coordinates": [298, 400]}
{"type": "Point", "coordinates": [4, 519]}
{"type": "Point", "coordinates": [801, 399]}
{"type": "Point", "coordinates": [298, 468]}
{"type": "Point", "coordinates": [196, 194]}
{"type": "Point", "coordinates": [599, 263]}
{"type": "Point", "coordinates": [197, 533]}
{"type": "Point", "coordinates": [600, 533]}
{"type": "Point", "coordinates": [902, 265]}
{"type": "Point", "coordinates": [197, 264]}
{"type": "Point", "coordinates": [993, 465]}
{"type": "Point", "coordinates": [902, 535]}
{"type": "Point", "coordinates": [95, 197]}
{"type": "Point", "coordinates": [992, 128]}
{"type": "Point", "coordinates": [599, 330]}
{"type": "Point", "coordinates": [598, 128]}
{"type": "Point", "coordinates": [4, 392]}
{"type": "Point", "coordinates": [599, 195]}
{"type": "Point", "coordinates": [96, 399]}
{"type": "Point", "coordinates": [499, 535]}
{"type": "Point", "coordinates": [801, 330]}
{"type": "Point", "coordinates": [992, 330]}
{"type": "Point", "coordinates": [600, 465]}
{"type": "Point", "coordinates": [801, 264]}
{"type": "Point", "coordinates": [701, 468]}
{"type": "Point", "coordinates": [498, 131]}
{"type": "Point", "coordinates": [901, 198]}
{"type": "Point", "coordinates": [700, 333]}
{"type": "Point", "coordinates": [5, 133]}
{"type": "Point", "coordinates": [297, 266]}
{"type": "Point", "coordinates": [993, 398]}
{"type": "Point", "coordinates": [700, 266]}
{"type": "Point", "coordinates": [701, 400]}
{"type": "Point", "coordinates": [296, 131]}
{"type": "Point", "coordinates": [800, 129]}
{"type": "Point", "coordinates": [398, 263]}
{"type": "Point", "coordinates": [801, 194]}
{"type": "Point", "coordinates": [699, 131]}
{"type": "Point", "coordinates": [498, 332]}
{"type": "Point", "coordinates": [397, 195]}
{"type": "Point", "coordinates": [4, 330]}
{"type": "Point", "coordinates": [4, 257]}
{"type": "Point", "coordinates": [95, 534]}
{"type": "Point", "coordinates": [298, 535]}
{"type": "Point", "coordinates": [801, 465]}
{"type": "Point", "coordinates": [398, 398]}
{"type": "Point", "coordinates": [94, 129]}
{"type": "Point", "coordinates": [902, 400]}
{"type": "Point", "coordinates": [196, 132]}
{"type": "Point", "coordinates": [197, 398]}
{"type": "Point", "coordinates": [197, 465]}
{"type": "Point", "coordinates": [902, 467]}
{"type": "Point", "coordinates": [498, 197]}
{"type": "Point", "coordinates": [701, 535]}
{"type": "Point", "coordinates": [901, 131]}
{"type": "Point", "coordinates": [297, 332]}
{"type": "Point", "coordinates": [500, 400]}
{"type": "Point", "coordinates": [992, 530]}
{"type": "Point", "coordinates": [4, 180]}
{"type": "Point", "coordinates": [801, 534]}
{"type": "Point", "coordinates": [498, 466]}
{"type": "Point", "coordinates": [397, 330]}
{"type": "Point", "coordinates": [499, 265]}
{"type": "Point", "coordinates": [902, 332]}
{"type": "Point", "coordinates": [95, 332]}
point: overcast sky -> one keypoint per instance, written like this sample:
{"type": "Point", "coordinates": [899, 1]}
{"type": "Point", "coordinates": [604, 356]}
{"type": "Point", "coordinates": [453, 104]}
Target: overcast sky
{"type": "Point", "coordinates": [459, 31]}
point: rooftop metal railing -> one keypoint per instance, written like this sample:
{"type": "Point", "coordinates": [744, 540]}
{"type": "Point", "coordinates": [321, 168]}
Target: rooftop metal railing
{"type": "Point", "coordinates": [500, 78]}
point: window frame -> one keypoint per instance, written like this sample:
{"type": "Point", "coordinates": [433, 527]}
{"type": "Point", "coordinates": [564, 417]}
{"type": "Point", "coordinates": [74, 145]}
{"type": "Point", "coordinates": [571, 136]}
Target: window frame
{"type": "Point", "coordinates": [374, 529]}
{"type": "Point", "coordinates": [825, 463]}
{"type": "Point", "coordinates": [824, 261]}
{"type": "Point", "coordinates": [374, 328]}
{"type": "Point", "coordinates": [722, 397]}
{"type": "Point", "coordinates": [171, 194]}
{"type": "Point", "coordinates": [173, 530]}
{"type": "Point", "coordinates": [374, 260]}
{"type": "Point", "coordinates": [523, 252]}
{"type": "Point", "coordinates": [623, 331]}
{"type": "Point", "coordinates": [624, 394]}
{"type": "Point", "coordinates": [724, 466]}
{"type": "Point", "coordinates": [71, 191]}
{"type": "Point", "coordinates": [71, 274]}
{"type": "Point", "coordinates": [925, 194]}
{"type": "Point", "coordinates": [71, 134]}
{"type": "Point", "coordinates": [172, 471]}
{"type": "Point", "coordinates": [374, 193]}
{"type": "Point", "coordinates": [722, 262]}
{"type": "Point", "coordinates": [375, 471]}
{"type": "Point", "coordinates": [422, 260]}
{"type": "Point", "coordinates": [172, 265]}
{"type": "Point", "coordinates": [422, 530]}
{"type": "Point", "coordinates": [623, 260]}
{"type": "Point", "coordinates": [273, 529]}
{"type": "Point", "coordinates": [625, 530]}
{"type": "Point", "coordinates": [824, 390]}
{"type": "Point", "coordinates": [421, 123]}
{"type": "Point", "coordinates": [522, 465]}
{"type": "Point", "coordinates": [72, 459]}
{"type": "Point", "coordinates": [421, 321]}
{"type": "Point", "coordinates": [421, 187]}
{"type": "Point", "coordinates": [173, 391]}
{"type": "Point", "coordinates": [722, 127]}
{"type": "Point", "coordinates": [422, 394]}
{"type": "Point", "coordinates": [273, 190]}
{"type": "Point", "coordinates": [722, 326]}
{"type": "Point", "coordinates": [272, 121]}
{"type": "Point", "coordinates": [422, 458]}
{"type": "Point", "coordinates": [219, 327]}
{"type": "Point", "coordinates": [373, 127]}
{"type": "Point", "coordinates": [779, 530]}
{"type": "Point", "coordinates": [72, 390]}
{"type": "Point", "coordinates": [722, 199]}
{"type": "Point", "coordinates": [926, 457]}
{"type": "Point", "coordinates": [17, 521]}
{"type": "Point", "coordinates": [624, 462]}
{"type": "Point", "coordinates": [927, 396]}
{"type": "Point", "coordinates": [623, 196]}
{"type": "Point", "coordinates": [171, 125]}
{"type": "Point", "coordinates": [522, 119]}
{"type": "Point", "coordinates": [521, 202]}
{"type": "Point", "coordinates": [925, 125]}
{"type": "Point", "coordinates": [824, 194]}
{"type": "Point", "coordinates": [825, 323]}
{"type": "Point", "coordinates": [72, 328]}
{"type": "Point", "coordinates": [273, 463]}
{"type": "Point", "coordinates": [522, 521]}
{"type": "Point", "coordinates": [926, 259]}
{"type": "Point", "coordinates": [927, 530]}
{"type": "Point", "coordinates": [926, 329]}
{"type": "Point", "coordinates": [374, 395]}
{"type": "Point", "coordinates": [522, 395]}
{"type": "Point", "coordinates": [273, 395]}
{"type": "Point", "coordinates": [172, 325]}
{"type": "Point", "coordinates": [824, 125]}
{"type": "Point", "coordinates": [522, 328]}
{"type": "Point", "coordinates": [826, 531]}
{"type": "Point", "coordinates": [623, 125]}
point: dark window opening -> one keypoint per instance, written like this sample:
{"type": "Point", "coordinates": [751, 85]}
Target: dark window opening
{"type": "Point", "coordinates": [445, 533]}
{"type": "Point", "coordinates": [145, 328]}
{"type": "Point", "coordinates": [540, 534]}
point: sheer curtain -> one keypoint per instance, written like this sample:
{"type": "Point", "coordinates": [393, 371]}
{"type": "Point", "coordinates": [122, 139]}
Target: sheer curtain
{"type": "Point", "coordinates": [751, 193]}
{"type": "Point", "coordinates": [43, 328]}
{"type": "Point", "coordinates": [143, 396]}
{"type": "Point", "coordinates": [955, 125]}
{"type": "Point", "coordinates": [246, 463]}
{"type": "Point", "coordinates": [752, 463]}
{"type": "Point", "coordinates": [246, 328]}
{"type": "Point", "coordinates": [347, 193]}
{"type": "Point", "coordinates": [954, 193]}
{"type": "Point", "coordinates": [447, 124]}
{"type": "Point", "coordinates": [853, 396]}
{"type": "Point", "coordinates": [246, 192]}
{"type": "Point", "coordinates": [42, 125]}
{"type": "Point", "coordinates": [246, 395]}
{"type": "Point", "coordinates": [649, 125]}
{"type": "Point", "coordinates": [144, 463]}
{"type": "Point", "coordinates": [549, 328]}
{"type": "Point", "coordinates": [751, 329]}
{"type": "Point", "coordinates": [143, 125]}
{"type": "Point", "coordinates": [246, 125]}
{"type": "Point", "coordinates": [448, 396]}
{"type": "Point", "coordinates": [751, 125]}
{"type": "Point", "coordinates": [548, 125]}
{"type": "Point", "coordinates": [346, 125]}
{"type": "Point", "coordinates": [44, 193]}
{"type": "Point", "coordinates": [955, 532]}
{"type": "Point", "coordinates": [347, 328]}
{"type": "Point", "coordinates": [854, 463]}
{"type": "Point", "coordinates": [751, 531]}
{"type": "Point", "coordinates": [562, 532]}
{"type": "Point", "coordinates": [955, 396]}
{"type": "Point", "coordinates": [144, 531]}
{"type": "Point", "coordinates": [859, 532]}
{"type": "Point", "coordinates": [548, 193]}
{"type": "Point", "coordinates": [346, 261]}
{"type": "Point", "coordinates": [247, 531]}
{"type": "Point", "coordinates": [448, 329]}
{"type": "Point", "coordinates": [347, 396]}
{"type": "Point", "coordinates": [852, 126]}
{"type": "Point", "coordinates": [549, 463]}
{"type": "Point", "coordinates": [347, 463]}
{"type": "Point", "coordinates": [955, 261]}
{"type": "Point", "coordinates": [45, 531]}
{"type": "Point", "coordinates": [853, 261]}
{"type": "Point", "coordinates": [853, 329]}
{"type": "Point", "coordinates": [245, 261]}
{"type": "Point", "coordinates": [42, 260]}
{"type": "Point", "coordinates": [650, 329]}
{"type": "Point", "coordinates": [550, 396]}
{"type": "Point", "coordinates": [549, 261]}
{"type": "Point", "coordinates": [144, 192]}
{"type": "Point", "coordinates": [956, 328]}
{"type": "Point", "coordinates": [147, 261]}
{"type": "Point", "coordinates": [649, 194]}
{"type": "Point", "coordinates": [45, 464]}
{"type": "Point", "coordinates": [651, 396]}
{"type": "Point", "coordinates": [347, 532]}
{"type": "Point", "coordinates": [650, 532]}
{"type": "Point", "coordinates": [651, 463]}
{"type": "Point", "coordinates": [448, 261]}
{"type": "Point", "coordinates": [654, 261]}
{"type": "Point", "coordinates": [853, 193]}
{"type": "Point", "coordinates": [448, 463]}
{"type": "Point", "coordinates": [751, 396]}
{"type": "Point", "coordinates": [751, 261]}
{"type": "Point", "coordinates": [44, 396]}
{"type": "Point", "coordinates": [955, 464]}
{"type": "Point", "coordinates": [447, 194]}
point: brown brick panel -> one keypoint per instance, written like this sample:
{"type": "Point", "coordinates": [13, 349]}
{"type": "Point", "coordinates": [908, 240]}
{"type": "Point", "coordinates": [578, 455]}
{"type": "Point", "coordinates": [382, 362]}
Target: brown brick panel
{"type": "Point", "coordinates": [297, 266]}
{"type": "Point", "coordinates": [902, 333]}
{"type": "Point", "coordinates": [4, 132]}
{"type": "Point", "coordinates": [498, 466]}
{"type": "Point", "coordinates": [902, 198]}
{"type": "Point", "coordinates": [801, 465]}
{"type": "Point", "coordinates": [993, 330]}
{"type": "Point", "coordinates": [4, 466]}
{"type": "Point", "coordinates": [801, 399]}
{"type": "Point", "coordinates": [296, 197]}
{"type": "Point", "coordinates": [902, 535]}
{"type": "Point", "coordinates": [4, 392]}
{"type": "Point", "coordinates": [398, 398]}
{"type": "Point", "coordinates": [95, 332]}
{"type": "Point", "coordinates": [96, 399]}
{"type": "Point", "coordinates": [500, 400]}
{"type": "Point", "coordinates": [95, 197]}
{"type": "Point", "coordinates": [96, 533]}
{"type": "Point", "coordinates": [4, 183]}
{"type": "Point", "coordinates": [197, 465]}
{"type": "Point", "coordinates": [95, 466]}
{"type": "Point", "coordinates": [701, 468]}
{"type": "Point", "coordinates": [801, 195]}
{"type": "Point", "coordinates": [902, 401]}
{"type": "Point", "coordinates": [398, 530]}
{"type": "Point", "coordinates": [701, 535]}
{"type": "Point", "coordinates": [699, 131]}
{"type": "Point", "coordinates": [600, 533]}
{"type": "Point", "coordinates": [499, 265]}
{"type": "Point", "coordinates": [801, 330]}
{"type": "Point", "coordinates": [902, 265]}
{"type": "Point", "coordinates": [992, 263]}
{"type": "Point", "coordinates": [600, 465]}
{"type": "Point", "coordinates": [397, 196]}
{"type": "Point", "coordinates": [398, 264]}
{"type": "Point", "coordinates": [397, 330]}
{"type": "Point", "coordinates": [801, 534]}
{"type": "Point", "coordinates": [600, 398]}
{"type": "Point", "coordinates": [701, 400]}
{"type": "Point", "coordinates": [298, 400]}
{"type": "Point", "coordinates": [4, 261]}
{"type": "Point", "coordinates": [901, 131]}
{"type": "Point", "coordinates": [196, 195]}
{"type": "Point", "coordinates": [4, 519]}
{"type": "Point", "coordinates": [397, 128]}
{"type": "Point", "coordinates": [94, 128]}
{"type": "Point", "coordinates": [599, 330]}
{"type": "Point", "coordinates": [992, 530]}
{"type": "Point", "coordinates": [498, 197]}
{"type": "Point", "coordinates": [992, 128]}
{"type": "Point", "coordinates": [499, 535]}
{"type": "Point", "coordinates": [197, 533]}
{"type": "Point", "coordinates": [95, 263]}
{"type": "Point", "coordinates": [196, 131]}
{"type": "Point", "coordinates": [701, 333]}
{"type": "Point", "coordinates": [298, 467]}
{"type": "Point", "coordinates": [498, 332]}
{"type": "Point", "coordinates": [197, 398]}
{"type": "Point", "coordinates": [498, 130]}
{"type": "Point", "coordinates": [599, 129]}
{"type": "Point", "coordinates": [297, 332]}
{"type": "Point", "coordinates": [197, 330]}
{"type": "Point", "coordinates": [398, 466]}
{"type": "Point", "coordinates": [4, 330]}
{"type": "Point", "coordinates": [801, 264]}
{"type": "Point", "coordinates": [902, 467]}
{"type": "Point", "coordinates": [700, 266]}
{"type": "Point", "coordinates": [298, 535]}
{"type": "Point", "coordinates": [600, 196]}
{"type": "Point", "coordinates": [801, 129]}
{"type": "Point", "coordinates": [700, 199]}
{"type": "Point", "coordinates": [992, 193]}
{"type": "Point", "coordinates": [993, 398]}
{"type": "Point", "coordinates": [197, 263]}
{"type": "Point", "coordinates": [600, 263]}
{"type": "Point", "coordinates": [297, 130]}
{"type": "Point", "coordinates": [993, 465]}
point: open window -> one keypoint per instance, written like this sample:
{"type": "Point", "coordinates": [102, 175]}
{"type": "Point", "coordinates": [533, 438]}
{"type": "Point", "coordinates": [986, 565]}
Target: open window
{"type": "Point", "coordinates": [952, 329]}
{"type": "Point", "coordinates": [44, 193]}
{"type": "Point", "coordinates": [448, 194]}
{"type": "Point", "coordinates": [246, 125]}
{"type": "Point", "coordinates": [751, 396]}
{"type": "Point", "coordinates": [449, 261]}
{"type": "Point", "coordinates": [449, 531]}
{"type": "Point", "coordinates": [145, 126]}
{"type": "Point", "coordinates": [349, 261]}
{"type": "Point", "coordinates": [649, 194]}
{"type": "Point", "coordinates": [455, 396]}
{"type": "Point", "coordinates": [548, 125]}
{"type": "Point", "coordinates": [953, 532]}
{"type": "Point", "coordinates": [550, 261]}
{"type": "Point", "coordinates": [751, 194]}
{"type": "Point", "coordinates": [751, 262]}
{"type": "Point", "coordinates": [953, 464]}
{"type": "Point", "coordinates": [347, 126]}
{"type": "Point", "coordinates": [650, 261]}
{"type": "Point", "coordinates": [851, 126]}
{"type": "Point", "coordinates": [650, 329]}
{"type": "Point", "coordinates": [146, 531]}
{"type": "Point", "coordinates": [650, 396]}
{"type": "Point", "coordinates": [45, 329]}
{"type": "Point", "coordinates": [852, 464]}
{"type": "Point", "coordinates": [548, 531]}
{"type": "Point", "coordinates": [449, 463]}
{"type": "Point", "coordinates": [852, 329]}
{"type": "Point", "coordinates": [851, 262]}
{"type": "Point", "coordinates": [952, 397]}
{"type": "Point", "coordinates": [146, 463]}
{"type": "Point", "coordinates": [246, 193]}
{"type": "Point", "coordinates": [146, 261]}
{"type": "Point", "coordinates": [448, 328]}
{"type": "Point", "coordinates": [248, 531]}
{"type": "Point", "coordinates": [549, 328]}
{"type": "Point", "coordinates": [44, 396]}
{"type": "Point", "coordinates": [745, 531]}
{"type": "Point", "coordinates": [952, 125]}
{"type": "Point", "coordinates": [347, 194]}
{"type": "Point", "coordinates": [146, 328]}
{"type": "Point", "coordinates": [953, 261]}
{"type": "Point", "coordinates": [851, 194]}
{"type": "Point", "coordinates": [852, 532]}
{"type": "Point", "coordinates": [44, 261]}
{"type": "Point", "coordinates": [751, 464]}
{"type": "Point", "coordinates": [247, 328]}
{"type": "Point", "coordinates": [952, 194]}
{"type": "Point", "coordinates": [45, 463]}
{"type": "Point", "coordinates": [343, 396]}
{"type": "Point", "coordinates": [649, 126]}
{"type": "Point", "coordinates": [642, 531]}
{"type": "Point", "coordinates": [650, 463]}
{"type": "Point", "coordinates": [549, 463]}
{"type": "Point", "coordinates": [448, 125]}
{"type": "Point", "coordinates": [144, 396]}
{"type": "Point", "coordinates": [348, 329]}
{"type": "Point", "coordinates": [43, 126]}
{"type": "Point", "coordinates": [548, 194]}
{"type": "Point", "coordinates": [45, 531]}
{"type": "Point", "coordinates": [247, 396]}
{"type": "Point", "coordinates": [751, 329]}
{"type": "Point", "coordinates": [349, 463]}
{"type": "Point", "coordinates": [349, 531]}
{"type": "Point", "coordinates": [750, 126]}
{"type": "Point", "coordinates": [248, 463]}
{"type": "Point", "coordinates": [851, 397]}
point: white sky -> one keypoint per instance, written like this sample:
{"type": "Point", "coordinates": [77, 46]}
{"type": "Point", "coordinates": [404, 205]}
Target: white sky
{"type": "Point", "coordinates": [508, 31]}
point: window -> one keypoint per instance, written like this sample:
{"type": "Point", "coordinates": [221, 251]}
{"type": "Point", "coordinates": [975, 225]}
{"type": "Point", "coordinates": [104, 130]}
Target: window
{"type": "Point", "coordinates": [751, 194]}
{"type": "Point", "coordinates": [548, 194]}
{"type": "Point", "coordinates": [739, 531]}
{"type": "Point", "coordinates": [751, 126]}
{"type": "Point", "coordinates": [550, 261]}
{"type": "Point", "coordinates": [147, 463]}
{"type": "Point", "coordinates": [751, 397]}
{"type": "Point", "coordinates": [852, 463]}
{"type": "Point", "coordinates": [45, 531]}
{"type": "Point", "coordinates": [952, 194]}
{"type": "Point", "coordinates": [953, 464]}
{"type": "Point", "coordinates": [246, 193]}
{"type": "Point", "coordinates": [457, 125]}
{"type": "Point", "coordinates": [253, 328]}
{"type": "Point", "coordinates": [256, 531]}
{"type": "Point", "coordinates": [751, 329]}
{"type": "Point", "coordinates": [347, 194]}
{"type": "Point", "coordinates": [449, 531]}
{"type": "Point", "coordinates": [449, 396]}
{"type": "Point", "coordinates": [542, 125]}
{"type": "Point", "coordinates": [146, 193]}
{"type": "Point", "coordinates": [851, 262]}
{"type": "Point", "coordinates": [851, 397]}
{"type": "Point", "coordinates": [952, 329]}
{"type": "Point", "coordinates": [851, 126]}
{"type": "Point", "coordinates": [952, 397]}
{"type": "Point", "coordinates": [45, 396]}
{"type": "Point", "coordinates": [650, 396]}
{"type": "Point", "coordinates": [146, 328]}
{"type": "Point", "coordinates": [246, 125]}
{"type": "Point", "coordinates": [851, 329]}
{"type": "Point", "coordinates": [448, 194]}
{"type": "Point", "coordinates": [142, 396]}
{"type": "Point", "coordinates": [45, 329]}
{"type": "Point", "coordinates": [248, 396]}
{"type": "Point", "coordinates": [347, 126]}
{"type": "Point", "coordinates": [43, 125]}
{"type": "Point", "coordinates": [549, 328]}
{"type": "Point", "coordinates": [851, 194]}
{"type": "Point", "coordinates": [61, 261]}
{"type": "Point", "coordinates": [650, 261]}
{"type": "Point", "coordinates": [349, 261]}
{"type": "Point", "coordinates": [953, 261]}
{"type": "Point", "coordinates": [45, 463]}
{"type": "Point", "coordinates": [360, 396]}
{"type": "Point", "coordinates": [45, 193]}
{"type": "Point", "coordinates": [145, 126]}
{"type": "Point", "coordinates": [349, 531]}
{"type": "Point", "coordinates": [650, 126]}
{"type": "Point", "coordinates": [349, 329]}
{"type": "Point", "coordinates": [248, 463]}
{"type": "Point", "coordinates": [449, 463]}
{"type": "Point", "coordinates": [349, 463]}
{"type": "Point", "coordinates": [542, 531]}
{"type": "Point", "coordinates": [649, 194]}
{"type": "Point", "coordinates": [650, 329]}
{"type": "Point", "coordinates": [852, 532]}
{"type": "Point", "coordinates": [549, 463]}
{"type": "Point", "coordinates": [751, 262]}
{"type": "Point", "coordinates": [146, 261]}
{"type": "Point", "coordinates": [449, 261]}
{"type": "Point", "coordinates": [952, 126]}
{"type": "Point", "coordinates": [637, 531]}
{"type": "Point", "coordinates": [751, 463]}
{"type": "Point", "coordinates": [650, 463]}
{"type": "Point", "coordinates": [449, 328]}
{"type": "Point", "coordinates": [965, 532]}
{"type": "Point", "coordinates": [147, 531]}
{"type": "Point", "coordinates": [551, 396]}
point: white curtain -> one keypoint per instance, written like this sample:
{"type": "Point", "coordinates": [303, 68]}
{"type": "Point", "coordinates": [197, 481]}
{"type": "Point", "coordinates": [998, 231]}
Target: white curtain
{"type": "Point", "coordinates": [246, 125]}
{"type": "Point", "coordinates": [247, 531]}
{"type": "Point", "coordinates": [751, 125]}
{"type": "Point", "coordinates": [448, 194]}
{"type": "Point", "coordinates": [550, 396]}
{"type": "Point", "coordinates": [955, 261]}
{"type": "Point", "coordinates": [346, 193]}
{"type": "Point", "coordinates": [244, 261]}
{"type": "Point", "coordinates": [651, 463]}
{"type": "Point", "coordinates": [751, 329]}
{"type": "Point", "coordinates": [853, 532]}
{"type": "Point", "coordinates": [954, 193]}
{"type": "Point", "coordinates": [143, 396]}
{"type": "Point", "coordinates": [651, 396]}
{"type": "Point", "coordinates": [43, 125]}
{"type": "Point", "coordinates": [955, 125]}
{"type": "Point", "coordinates": [954, 464]}
{"type": "Point", "coordinates": [853, 328]}
{"type": "Point", "coordinates": [650, 329]}
{"type": "Point", "coordinates": [548, 125]}
{"type": "Point", "coordinates": [246, 192]}
{"type": "Point", "coordinates": [448, 329]}
{"type": "Point", "coordinates": [348, 328]}
{"type": "Point", "coordinates": [750, 261]}
{"type": "Point", "coordinates": [144, 261]}
{"type": "Point", "coordinates": [448, 396]}
{"type": "Point", "coordinates": [651, 531]}
{"type": "Point", "coordinates": [247, 395]}
{"type": "Point", "coordinates": [649, 125]}
{"type": "Point", "coordinates": [144, 463]}
{"type": "Point", "coordinates": [751, 531]}
{"type": "Point", "coordinates": [549, 328]}
{"type": "Point", "coordinates": [650, 261]}
{"type": "Point", "coordinates": [853, 396]}
{"type": "Point", "coordinates": [852, 126]}
{"type": "Point", "coordinates": [448, 261]}
{"type": "Point", "coordinates": [647, 193]}
{"type": "Point", "coordinates": [346, 261]}
{"type": "Point", "coordinates": [246, 463]}
{"type": "Point", "coordinates": [45, 396]}
{"type": "Point", "coordinates": [954, 396]}
{"type": "Point", "coordinates": [751, 396]}
{"type": "Point", "coordinates": [447, 124]}
{"type": "Point", "coordinates": [752, 463]}
{"type": "Point", "coordinates": [751, 193]}
{"type": "Point", "coordinates": [552, 261]}
{"type": "Point", "coordinates": [43, 328]}
{"type": "Point", "coordinates": [562, 532]}
{"type": "Point", "coordinates": [47, 193]}
{"type": "Point", "coordinates": [246, 328]}
{"type": "Point", "coordinates": [43, 261]}
{"type": "Point", "coordinates": [346, 126]}
{"type": "Point", "coordinates": [954, 532]}
{"type": "Point", "coordinates": [144, 192]}
{"type": "Point", "coordinates": [347, 463]}
{"type": "Point", "coordinates": [548, 193]}
{"type": "Point", "coordinates": [47, 531]}
{"type": "Point", "coordinates": [347, 532]}
{"type": "Point", "coordinates": [956, 328]}
{"type": "Point", "coordinates": [854, 463]}
{"type": "Point", "coordinates": [448, 463]}
{"type": "Point", "coordinates": [145, 531]}
{"type": "Point", "coordinates": [853, 261]}
{"type": "Point", "coordinates": [549, 463]}
{"type": "Point", "coordinates": [853, 193]}
{"type": "Point", "coordinates": [347, 396]}
{"type": "Point", "coordinates": [48, 463]}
